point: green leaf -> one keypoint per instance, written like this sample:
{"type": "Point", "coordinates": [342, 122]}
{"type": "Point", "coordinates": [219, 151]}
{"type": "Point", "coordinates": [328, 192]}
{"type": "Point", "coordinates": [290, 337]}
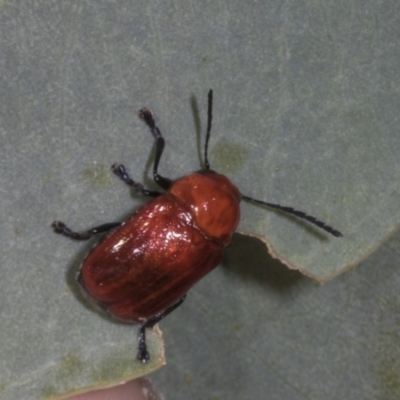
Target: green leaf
{"type": "Point", "coordinates": [305, 115]}
{"type": "Point", "coordinates": [253, 329]}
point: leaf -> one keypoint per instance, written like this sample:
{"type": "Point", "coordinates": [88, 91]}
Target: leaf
{"type": "Point", "coordinates": [253, 329]}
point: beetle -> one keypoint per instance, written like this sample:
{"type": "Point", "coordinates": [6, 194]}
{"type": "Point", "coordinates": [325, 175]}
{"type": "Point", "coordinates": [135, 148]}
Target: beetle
{"type": "Point", "coordinates": [141, 270]}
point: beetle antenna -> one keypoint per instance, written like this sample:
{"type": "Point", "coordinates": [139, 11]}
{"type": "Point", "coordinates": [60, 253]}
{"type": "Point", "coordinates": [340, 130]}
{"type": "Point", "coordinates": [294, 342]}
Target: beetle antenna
{"type": "Point", "coordinates": [297, 213]}
{"type": "Point", "coordinates": [209, 121]}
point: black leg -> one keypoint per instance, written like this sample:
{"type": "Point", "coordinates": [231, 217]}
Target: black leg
{"type": "Point", "coordinates": [62, 229]}
{"type": "Point", "coordinates": [120, 171]}
{"type": "Point", "coordinates": [143, 354]}
{"type": "Point", "coordinates": [147, 116]}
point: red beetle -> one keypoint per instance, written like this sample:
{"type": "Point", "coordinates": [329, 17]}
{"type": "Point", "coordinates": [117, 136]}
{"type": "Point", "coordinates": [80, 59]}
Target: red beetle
{"type": "Point", "coordinates": [143, 267]}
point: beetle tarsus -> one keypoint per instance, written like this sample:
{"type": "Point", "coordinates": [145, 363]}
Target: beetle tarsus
{"type": "Point", "coordinates": [143, 354]}
{"type": "Point", "coordinates": [147, 116]}
{"type": "Point", "coordinates": [119, 170]}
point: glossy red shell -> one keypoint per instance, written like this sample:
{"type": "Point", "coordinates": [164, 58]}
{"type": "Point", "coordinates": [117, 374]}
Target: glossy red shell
{"type": "Point", "coordinates": [149, 262]}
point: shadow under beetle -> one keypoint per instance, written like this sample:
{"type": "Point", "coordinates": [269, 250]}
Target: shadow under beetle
{"type": "Point", "coordinates": [143, 267]}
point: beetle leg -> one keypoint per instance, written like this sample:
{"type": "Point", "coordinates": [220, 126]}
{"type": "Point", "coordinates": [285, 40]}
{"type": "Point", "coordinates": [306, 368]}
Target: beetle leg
{"type": "Point", "coordinates": [62, 229]}
{"type": "Point", "coordinates": [143, 354]}
{"type": "Point", "coordinates": [147, 116]}
{"type": "Point", "coordinates": [158, 317]}
{"type": "Point", "coordinates": [120, 171]}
